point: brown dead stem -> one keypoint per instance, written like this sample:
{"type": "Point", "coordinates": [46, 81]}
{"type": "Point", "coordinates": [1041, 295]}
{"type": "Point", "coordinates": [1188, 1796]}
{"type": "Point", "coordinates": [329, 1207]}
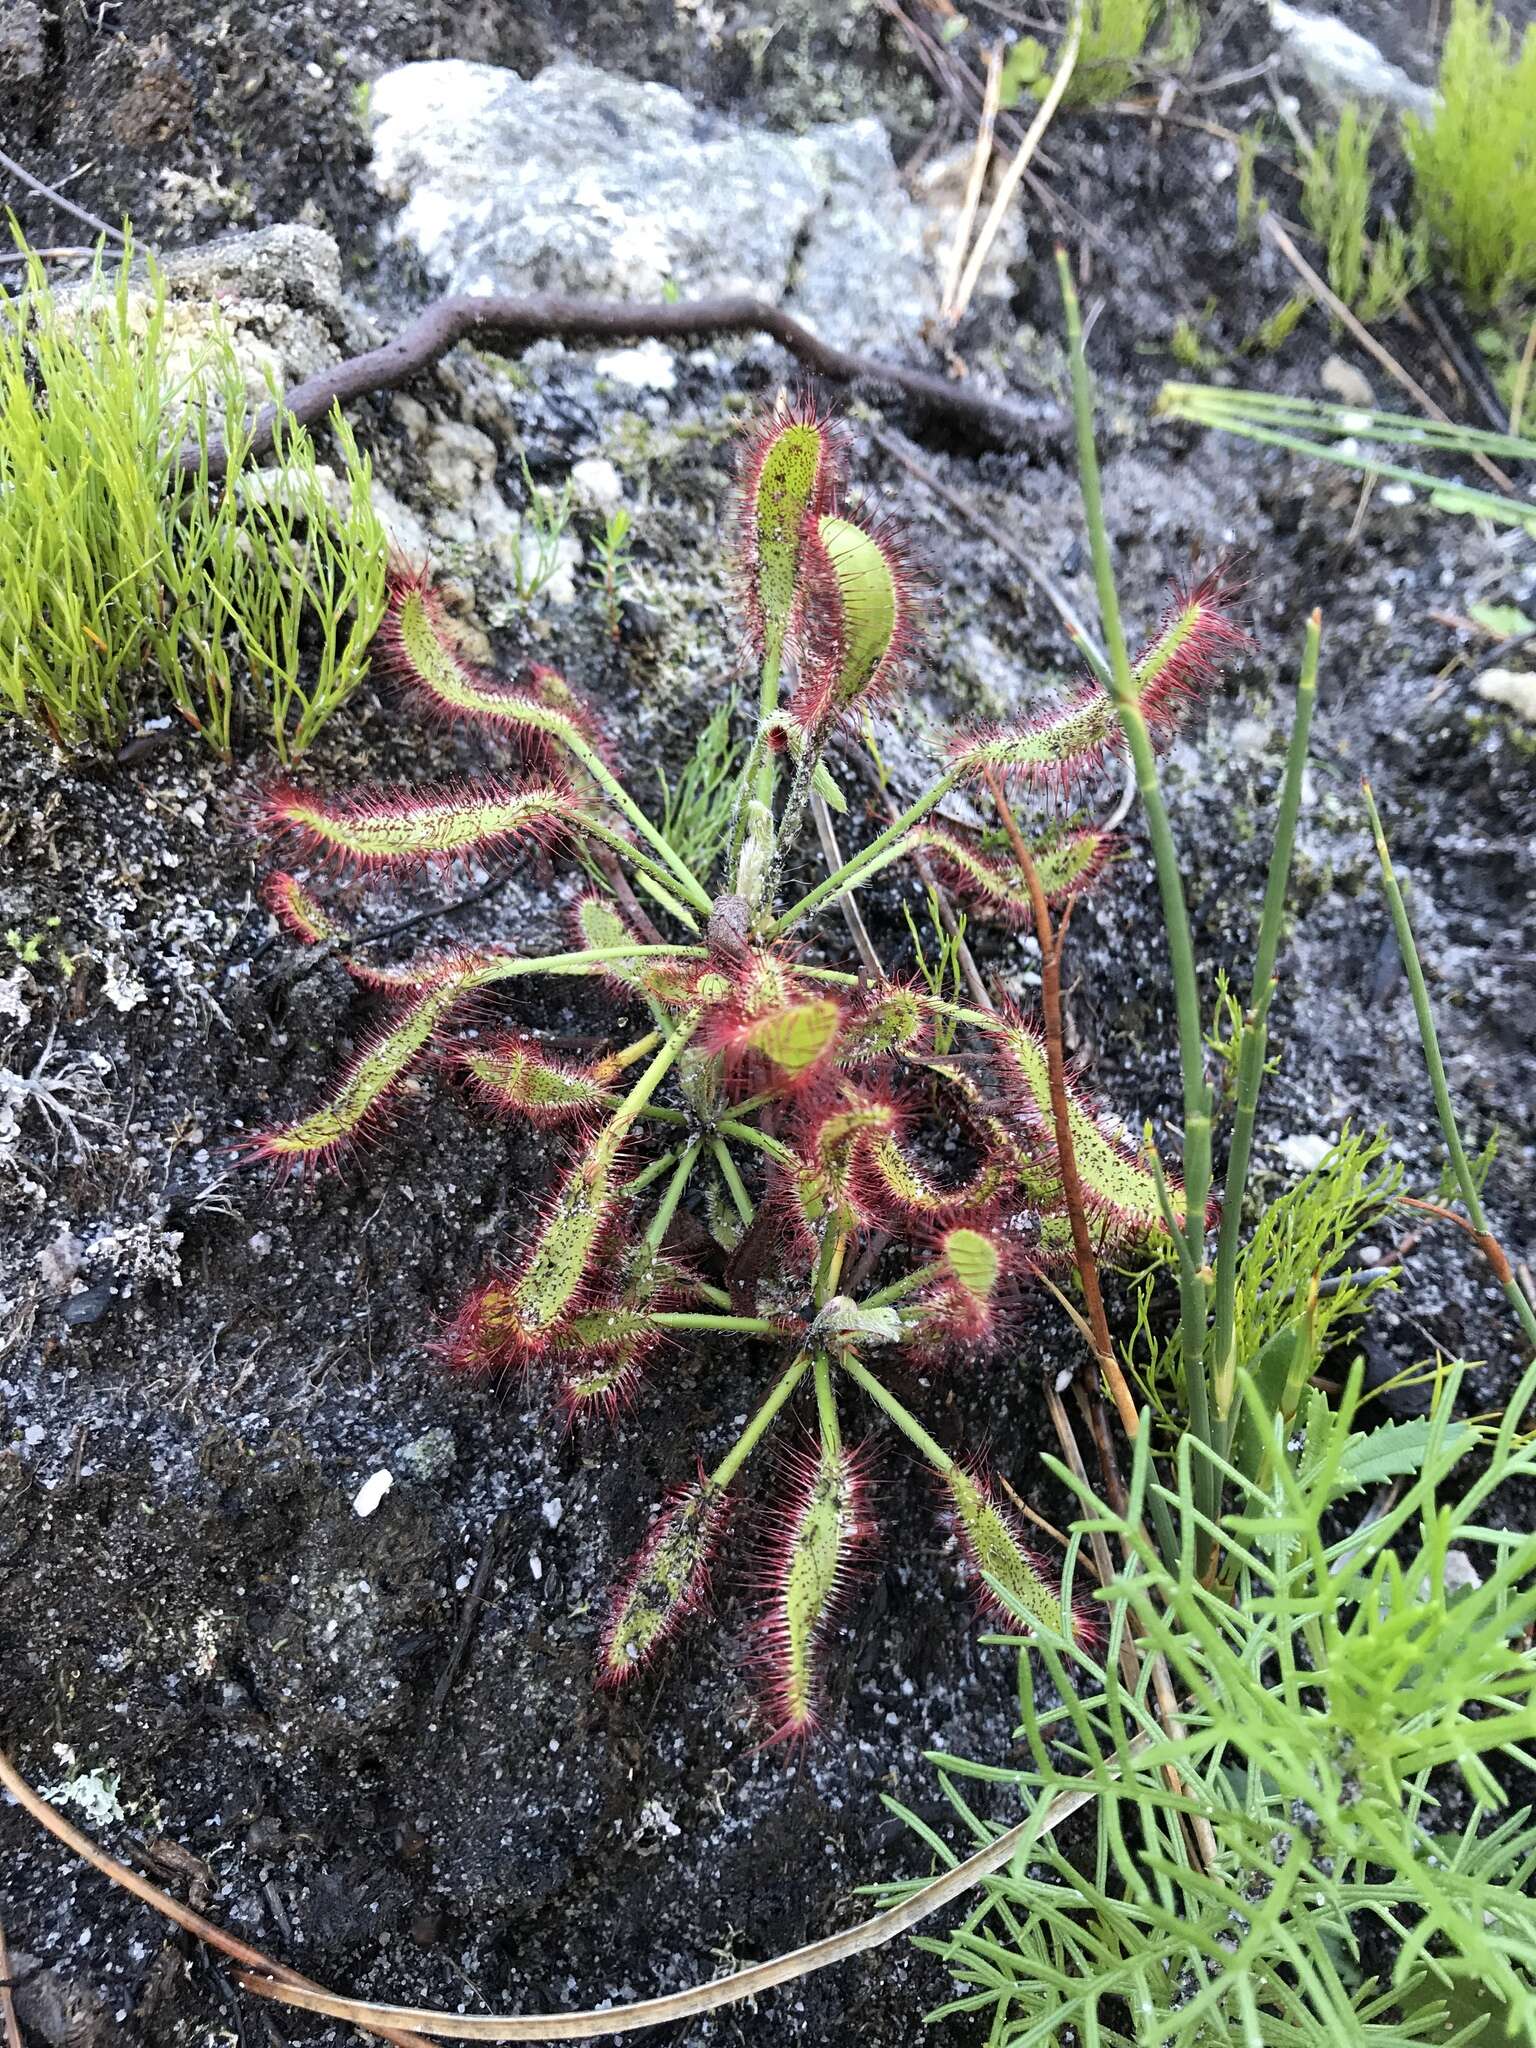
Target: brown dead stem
{"type": "Point", "coordinates": [1050, 940]}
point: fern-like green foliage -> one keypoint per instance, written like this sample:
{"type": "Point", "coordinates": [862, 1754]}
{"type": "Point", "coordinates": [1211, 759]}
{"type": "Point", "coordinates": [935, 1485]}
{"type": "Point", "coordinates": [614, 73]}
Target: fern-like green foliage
{"type": "Point", "coordinates": [1350, 1697]}
{"type": "Point", "coordinates": [1475, 162]}
{"type": "Point", "coordinates": [127, 581]}
{"type": "Point", "coordinates": [1296, 1263]}
{"type": "Point", "coordinates": [696, 811]}
{"type": "Point", "coordinates": [1372, 276]}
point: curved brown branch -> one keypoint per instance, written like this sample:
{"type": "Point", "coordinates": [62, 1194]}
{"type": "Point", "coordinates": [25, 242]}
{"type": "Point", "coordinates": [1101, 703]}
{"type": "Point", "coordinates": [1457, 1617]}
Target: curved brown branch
{"type": "Point", "coordinates": [505, 324]}
{"type": "Point", "coordinates": [406, 2025]}
{"type": "Point", "coordinates": [172, 1909]}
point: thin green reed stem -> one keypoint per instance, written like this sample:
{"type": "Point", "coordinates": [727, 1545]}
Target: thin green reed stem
{"type": "Point", "coordinates": [1471, 1200]}
{"type": "Point", "coordinates": [748, 1134]}
{"type": "Point", "coordinates": [1254, 1042]}
{"type": "Point", "coordinates": [646, 869]}
{"type": "Point", "coordinates": [767, 707]}
{"type": "Point", "coordinates": [732, 1179]}
{"type": "Point", "coordinates": [909, 1283]}
{"type": "Point", "coordinates": [1181, 950]}
{"type": "Point", "coordinates": [650, 1174]}
{"type": "Point", "coordinates": [826, 1407]}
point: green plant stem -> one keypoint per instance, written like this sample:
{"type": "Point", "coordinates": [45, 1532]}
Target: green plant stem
{"type": "Point", "coordinates": [686, 1319]}
{"type": "Point", "coordinates": [586, 961]}
{"type": "Point", "coordinates": [647, 871]}
{"type": "Point", "coordinates": [748, 787]}
{"type": "Point", "coordinates": [745, 1134]}
{"type": "Point", "coordinates": [732, 1179]}
{"type": "Point", "coordinates": [1492, 1251]}
{"type": "Point", "coordinates": [1181, 951]}
{"type": "Point", "coordinates": [851, 873]}
{"type": "Point", "coordinates": [909, 1283]}
{"type": "Point", "coordinates": [649, 1175]}
{"type": "Point", "coordinates": [792, 818]}
{"type": "Point", "coordinates": [669, 903]}
{"type": "Point", "coordinates": [666, 1208]}
{"type": "Point", "coordinates": [634, 1103]}
{"type": "Point", "coordinates": [711, 1293]}
{"type": "Point", "coordinates": [901, 1415]}
{"type": "Point", "coordinates": [826, 1407]}
{"type": "Point", "coordinates": [829, 1267]}
{"type": "Point", "coordinates": [752, 1435]}
{"type": "Point", "coordinates": [767, 709]}
{"type": "Point", "coordinates": [610, 784]}
{"type": "Point", "coordinates": [1254, 1043]}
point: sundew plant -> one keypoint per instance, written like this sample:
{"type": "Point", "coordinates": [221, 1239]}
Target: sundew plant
{"type": "Point", "coordinates": [795, 1104]}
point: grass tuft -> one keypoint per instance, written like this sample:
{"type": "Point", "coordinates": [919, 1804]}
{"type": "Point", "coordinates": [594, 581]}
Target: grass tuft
{"type": "Point", "coordinates": [1373, 276]}
{"type": "Point", "coordinates": [1475, 163]}
{"type": "Point", "coordinates": [126, 582]}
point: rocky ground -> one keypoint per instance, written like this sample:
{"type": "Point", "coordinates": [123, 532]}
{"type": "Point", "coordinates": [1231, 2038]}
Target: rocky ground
{"type": "Point", "coordinates": [208, 1652]}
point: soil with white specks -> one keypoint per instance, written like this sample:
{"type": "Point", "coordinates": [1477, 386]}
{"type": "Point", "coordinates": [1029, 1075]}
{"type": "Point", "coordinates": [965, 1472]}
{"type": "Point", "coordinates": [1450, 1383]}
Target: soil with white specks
{"type": "Point", "coordinates": [265, 1690]}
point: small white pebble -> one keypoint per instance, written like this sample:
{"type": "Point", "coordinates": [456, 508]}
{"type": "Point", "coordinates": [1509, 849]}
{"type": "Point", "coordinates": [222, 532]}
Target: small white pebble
{"type": "Point", "coordinates": [372, 1491]}
{"type": "Point", "coordinates": [1397, 494]}
{"type": "Point", "coordinates": [535, 1565]}
{"type": "Point", "coordinates": [1305, 1151]}
{"type": "Point", "coordinates": [552, 1510]}
{"type": "Point", "coordinates": [1384, 611]}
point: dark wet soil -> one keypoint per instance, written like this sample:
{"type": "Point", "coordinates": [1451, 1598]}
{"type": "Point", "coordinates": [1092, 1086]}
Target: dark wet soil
{"type": "Point", "coordinates": [268, 1690]}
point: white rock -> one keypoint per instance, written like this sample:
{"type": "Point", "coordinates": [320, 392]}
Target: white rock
{"type": "Point", "coordinates": [407, 536]}
{"type": "Point", "coordinates": [585, 181]}
{"type": "Point", "coordinates": [1341, 380]}
{"type": "Point", "coordinates": [121, 986]}
{"type": "Point", "coordinates": [1515, 689]}
{"type": "Point", "coordinates": [372, 1491]}
{"type": "Point", "coordinates": [59, 1262]}
{"type": "Point", "coordinates": [1343, 63]}
{"type": "Point", "coordinates": [648, 366]}
{"type": "Point", "coordinates": [1305, 1151]}
{"type": "Point", "coordinates": [459, 459]}
{"type": "Point", "coordinates": [597, 485]}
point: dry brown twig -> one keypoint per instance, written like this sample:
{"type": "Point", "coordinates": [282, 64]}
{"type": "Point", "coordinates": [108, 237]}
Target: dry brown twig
{"type": "Point", "coordinates": [1002, 199]}
{"type": "Point", "coordinates": [407, 2025]}
{"type": "Point", "coordinates": [7, 2002]}
{"type": "Point", "coordinates": [128, 1880]}
{"type": "Point", "coordinates": [508, 323]}
{"type": "Point", "coordinates": [1373, 348]}
{"type": "Point", "coordinates": [1050, 940]}
{"type": "Point", "coordinates": [950, 305]}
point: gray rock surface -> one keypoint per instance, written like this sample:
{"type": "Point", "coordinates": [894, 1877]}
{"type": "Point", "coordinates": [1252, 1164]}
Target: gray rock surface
{"type": "Point", "coordinates": [582, 181]}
